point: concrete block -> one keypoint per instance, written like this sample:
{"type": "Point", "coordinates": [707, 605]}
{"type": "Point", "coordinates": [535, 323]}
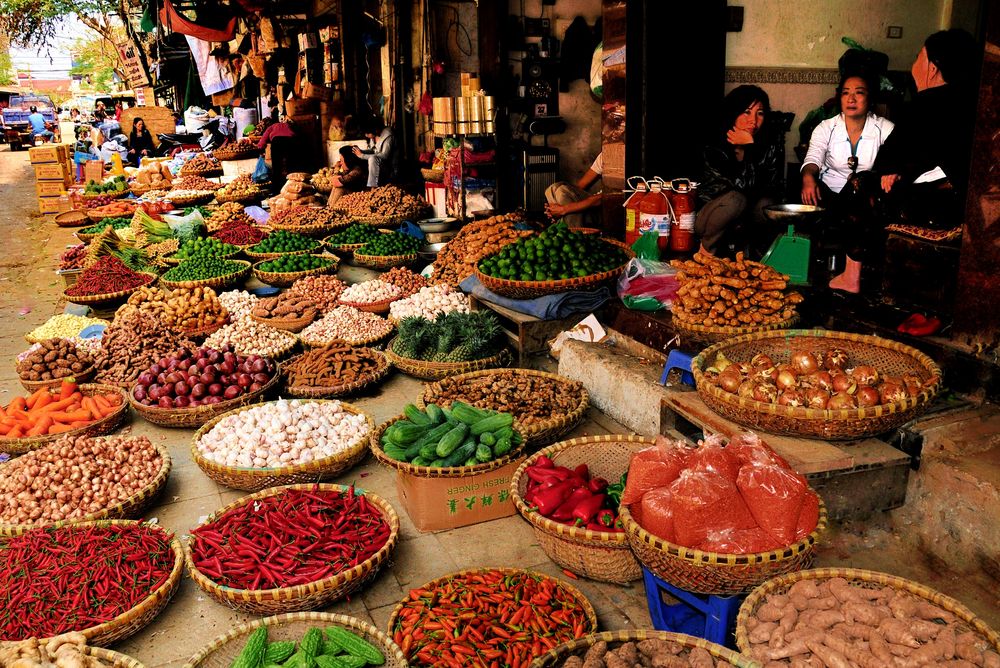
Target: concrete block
{"type": "Point", "coordinates": [622, 386]}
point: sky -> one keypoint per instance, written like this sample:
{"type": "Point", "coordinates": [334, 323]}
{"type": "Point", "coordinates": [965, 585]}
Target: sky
{"type": "Point", "coordinates": [56, 63]}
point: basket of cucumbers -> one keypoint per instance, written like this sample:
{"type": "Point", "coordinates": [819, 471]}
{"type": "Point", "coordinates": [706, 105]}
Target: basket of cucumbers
{"type": "Point", "coordinates": [304, 639]}
{"type": "Point", "coordinates": [447, 442]}
{"type": "Point", "coordinates": [284, 270]}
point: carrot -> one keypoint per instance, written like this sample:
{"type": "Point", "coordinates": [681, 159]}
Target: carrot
{"type": "Point", "coordinates": [19, 416]}
{"type": "Point", "coordinates": [35, 396]}
{"type": "Point", "coordinates": [4, 429]}
{"type": "Point", "coordinates": [60, 428]}
{"type": "Point", "coordinates": [80, 423]}
{"type": "Point", "coordinates": [104, 401]}
{"type": "Point", "coordinates": [66, 389]}
{"type": "Point", "coordinates": [41, 427]}
{"type": "Point", "coordinates": [15, 432]}
{"type": "Point", "coordinates": [75, 416]}
{"type": "Point", "coordinates": [114, 399]}
{"type": "Point", "coordinates": [43, 401]}
{"type": "Point", "coordinates": [89, 404]}
{"type": "Point", "coordinates": [19, 404]}
{"type": "Point", "coordinates": [57, 406]}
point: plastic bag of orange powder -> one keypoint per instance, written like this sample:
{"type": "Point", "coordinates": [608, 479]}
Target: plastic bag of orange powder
{"type": "Point", "coordinates": [653, 468]}
{"type": "Point", "coordinates": [774, 496]}
{"type": "Point", "coordinates": [656, 513]}
{"type": "Point", "coordinates": [704, 501]}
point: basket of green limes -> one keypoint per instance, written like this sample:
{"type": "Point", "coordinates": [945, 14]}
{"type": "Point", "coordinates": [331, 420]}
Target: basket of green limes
{"type": "Point", "coordinates": [352, 238]}
{"type": "Point", "coordinates": [282, 242]}
{"type": "Point", "coordinates": [208, 246]}
{"type": "Point", "coordinates": [284, 270]}
{"type": "Point", "coordinates": [206, 271]}
{"type": "Point", "coordinates": [392, 249]}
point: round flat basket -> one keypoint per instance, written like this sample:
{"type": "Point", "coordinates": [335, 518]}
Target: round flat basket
{"type": "Point", "coordinates": [96, 217]}
{"type": "Point", "coordinates": [372, 342]}
{"type": "Point", "coordinates": [204, 173]}
{"type": "Point", "coordinates": [81, 377]}
{"type": "Point", "coordinates": [192, 200]}
{"type": "Point", "coordinates": [140, 190]}
{"type": "Point", "coordinates": [116, 194]}
{"type": "Point", "coordinates": [432, 175]}
{"type": "Point", "coordinates": [260, 257]}
{"type": "Point", "coordinates": [309, 596]}
{"type": "Point", "coordinates": [83, 236]}
{"type": "Point", "coordinates": [371, 307]}
{"type": "Point", "coordinates": [683, 643]}
{"type": "Point", "coordinates": [174, 261]}
{"type": "Point", "coordinates": [537, 433]}
{"type": "Point", "coordinates": [106, 425]}
{"type": "Point", "coordinates": [317, 231]}
{"type": "Point", "coordinates": [438, 370]}
{"type": "Point", "coordinates": [111, 297]}
{"type": "Point", "coordinates": [714, 573]}
{"type": "Point", "coordinates": [222, 652]}
{"type": "Point", "coordinates": [888, 357]}
{"type": "Point", "coordinates": [332, 392]}
{"type": "Point", "coordinates": [72, 219]}
{"type": "Point", "coordinates": [203, 332]}
{"type": "Point", "coordinates": [223, 154]}
{"type": "Point", "coordinates": [589, 626]}
{"type": "Point", "coordinates": [293, 325]}
{"type": "Point", "coordinates": [246, 199]}
{"type": "Point", "coordinates": [135, 619]}
{"type": "Point", "coordinates": [375, 442]}
{"type": "Point", "coordinates": [115, 659]}
{"type": "Point", "coordinates": [532, 289]}
{"type": "Point", "coordinates": [131, 508]}
{"type": "Point", "coordinates": [185, 418]}
{"type": "Point", "coordinates": [598, 555]}
{"type": "Point", "coordinates": [701, 335]}
{"type": "Point", "coordinates": [383, 261]}
{"type": "Point", "coordinates": [343, 250]}
{"type": "Point", "coordinates": [965, 620]}
{"type": "Point", "coordinates": [216, 282]}
{"type": "Point", "coordinates": [285, 279]}
{"type": "Point", "coordinates": [254, 479]}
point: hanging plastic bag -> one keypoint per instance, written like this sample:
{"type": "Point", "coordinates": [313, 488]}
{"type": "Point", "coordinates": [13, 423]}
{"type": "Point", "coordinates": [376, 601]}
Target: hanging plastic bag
{"type": "Point", "coordinates": [648, 285]}
{"type": "Point", "coordinates": [261, 173]}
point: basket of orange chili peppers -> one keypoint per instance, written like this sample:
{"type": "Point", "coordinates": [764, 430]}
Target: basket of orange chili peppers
{"type": "Point", "coordinates": [489, 617]}
{"type": "Point", "coordinates": [570, 492]}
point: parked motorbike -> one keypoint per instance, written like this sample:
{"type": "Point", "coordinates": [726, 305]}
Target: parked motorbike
{"type": "Point", "coordinates": [171, 143]}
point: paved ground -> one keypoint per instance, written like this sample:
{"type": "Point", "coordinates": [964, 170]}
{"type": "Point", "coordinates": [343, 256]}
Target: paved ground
{"type": "Point", "coordinates": [29, 295]}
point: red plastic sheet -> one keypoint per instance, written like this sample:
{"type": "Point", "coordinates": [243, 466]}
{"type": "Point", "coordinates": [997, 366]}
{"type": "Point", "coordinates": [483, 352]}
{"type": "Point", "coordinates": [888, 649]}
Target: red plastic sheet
{"type": "Point", "coordinates": [172, 19]}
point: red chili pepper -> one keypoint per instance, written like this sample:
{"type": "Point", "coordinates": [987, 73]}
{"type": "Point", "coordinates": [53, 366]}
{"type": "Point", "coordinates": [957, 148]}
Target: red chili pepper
{"type": "Point", "coordinates": [542, 461]}
{"type": "Point", "coordinates": [583, 471]}
{"type": "Point", "coordinates": [597, 485]}
{"type": "Point", "coordinates": [551, 498]}
{"type": "Point", "coordinates": [586, 509]}
{"type": "Point", "coordinates": [606, 518]}
{"type": "Point", "coordinates": [566, 509]}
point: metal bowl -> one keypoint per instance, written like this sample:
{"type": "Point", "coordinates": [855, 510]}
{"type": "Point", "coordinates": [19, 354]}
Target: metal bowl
{"type": "Point", "coordinates": [792, 212]}
{"type": "Point", "coordinates": [436, 224]}
{"type": "Point", "coordinates": [430, 251]}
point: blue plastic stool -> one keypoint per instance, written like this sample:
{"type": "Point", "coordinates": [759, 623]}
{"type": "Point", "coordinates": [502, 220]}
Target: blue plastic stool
{"type": "Point", "coordinates": [678, 359]}
{"type": "Point", "coordinates": [710, 617]}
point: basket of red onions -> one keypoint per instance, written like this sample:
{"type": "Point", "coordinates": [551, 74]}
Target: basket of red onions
{"type": "Point", "coordinates": [190, 387]}
{"type": "Point", "coordinates": [816, 383]}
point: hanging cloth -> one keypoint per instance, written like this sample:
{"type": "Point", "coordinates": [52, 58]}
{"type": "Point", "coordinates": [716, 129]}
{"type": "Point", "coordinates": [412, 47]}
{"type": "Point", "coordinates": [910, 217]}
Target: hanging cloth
{"type": "Point", "coordinates": [148, 23]}
{"type": "Point", "coordinates": [215, 73]}
{"type": "Point", "coordinates": [172, 19]}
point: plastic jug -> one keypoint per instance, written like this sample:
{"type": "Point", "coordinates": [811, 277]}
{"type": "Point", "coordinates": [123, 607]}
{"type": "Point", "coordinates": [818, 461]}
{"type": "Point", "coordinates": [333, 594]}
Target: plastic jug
{"type": "Point", "coordinates": [654, 214]}
{"type": "Point", "coordinates": [632, 213]}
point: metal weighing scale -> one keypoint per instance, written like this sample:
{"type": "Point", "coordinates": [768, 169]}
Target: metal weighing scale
{"type": "Point", "coordinates": [791, 252]}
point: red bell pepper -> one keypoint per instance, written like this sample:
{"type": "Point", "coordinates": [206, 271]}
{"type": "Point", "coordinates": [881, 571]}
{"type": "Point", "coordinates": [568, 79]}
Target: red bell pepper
{"type": "Point", "coordinates": [586, 509]}
{"type": "Point", "coordinates": [597, 485]}
{"type": "Point", "coordinates": [606, 518]}
{"type": "Point", "coordinates": [546, 475]}
{"type": "Point", "coordinates": [582, 471]}
{"type": "Point", "coordinates": [550, 498]}
{"type": "Point", "coordinates": [543, 462]}
{"type": "Point", "coordinates": [566, 511]}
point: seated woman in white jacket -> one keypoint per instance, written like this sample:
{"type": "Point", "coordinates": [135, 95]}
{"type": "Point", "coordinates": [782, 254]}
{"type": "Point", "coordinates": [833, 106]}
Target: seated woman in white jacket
{"type": "Point", "coordinates": [836, 172]}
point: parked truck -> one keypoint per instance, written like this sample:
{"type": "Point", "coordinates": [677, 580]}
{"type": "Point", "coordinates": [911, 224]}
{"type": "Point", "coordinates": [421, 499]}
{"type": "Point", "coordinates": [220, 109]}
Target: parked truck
{"type": "Point", "coordinates": [16, 129]}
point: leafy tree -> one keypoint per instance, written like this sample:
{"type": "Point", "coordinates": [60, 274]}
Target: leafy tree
{"type": "Point", "coordinates": [98, 58]}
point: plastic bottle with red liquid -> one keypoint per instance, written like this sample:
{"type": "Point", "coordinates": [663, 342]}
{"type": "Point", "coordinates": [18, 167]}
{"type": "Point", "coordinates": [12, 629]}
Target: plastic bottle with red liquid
{"type": "Point", "coordinates": [683, 200]}
{"type": "Point", "coordinates": [654, 214]}
{"type": "Point", "coordinates": [632, 211]}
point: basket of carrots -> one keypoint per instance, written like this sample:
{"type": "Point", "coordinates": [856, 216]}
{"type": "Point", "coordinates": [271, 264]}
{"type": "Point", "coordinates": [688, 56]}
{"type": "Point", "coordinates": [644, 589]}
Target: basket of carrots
{"type": "Point", "coordinates": [47, 414]}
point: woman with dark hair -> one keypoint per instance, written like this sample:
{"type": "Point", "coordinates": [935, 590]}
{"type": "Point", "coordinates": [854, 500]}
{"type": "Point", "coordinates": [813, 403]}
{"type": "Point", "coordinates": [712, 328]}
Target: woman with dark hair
{"type": "Point", "coordinates": [353, 178]}
{"type": "Point", "coordinates": [140, 141]}
{"type": "Point", "coordinates": [382, 156]}
{"type": "Point", "coordinates": [743, 172]}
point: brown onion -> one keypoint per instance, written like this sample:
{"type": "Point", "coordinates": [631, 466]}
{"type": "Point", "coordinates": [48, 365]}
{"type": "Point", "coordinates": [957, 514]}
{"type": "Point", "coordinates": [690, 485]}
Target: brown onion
{"type": "Point", "coordinates": [786, 380]}
{"type": "Point", "coordinates": [841, 400]}
{"type": "Point", "coordinates": [864, 374]}
{"type": "Point", "coordinates": [791, 398]}
{"type": "Point", "coordinates": [835, 358]}
{"type": "Point", "coordinates": [761, 360]}
{"type": "Point", "coordinates": [730, 379]}
{"type": "Point", "coordinates": [765, 393]}
{"type": "Point", "coordinates": [804, 362]}
{"type": "Point", "coordinates": [892, 392]}
{"type": "Point", "coordinates": [868, 396]}
{"type": "Point", "coordinates": [844, 383]}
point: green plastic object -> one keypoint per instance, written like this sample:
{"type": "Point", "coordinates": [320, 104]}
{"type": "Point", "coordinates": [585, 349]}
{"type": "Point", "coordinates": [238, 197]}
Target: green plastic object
{"type": "Point", "coordinates": [789, 254]}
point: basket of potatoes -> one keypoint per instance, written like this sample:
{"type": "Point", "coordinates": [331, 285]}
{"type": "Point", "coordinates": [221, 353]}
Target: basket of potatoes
{"type": "Point", "coordinates": [288, 311]}
{"type": "Point", "coordinates": [51, 361]}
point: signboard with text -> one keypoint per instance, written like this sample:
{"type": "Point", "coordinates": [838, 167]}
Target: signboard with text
{"type": "Point", "coordinates": [135, 73]}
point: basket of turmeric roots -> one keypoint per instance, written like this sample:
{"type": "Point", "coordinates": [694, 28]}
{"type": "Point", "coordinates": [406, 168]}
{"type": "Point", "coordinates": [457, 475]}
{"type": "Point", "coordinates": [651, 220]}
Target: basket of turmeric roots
{"type": "Point", "coordinates": [640, 647]}
{"type": "Point", "coordinates": [333, 371]}
{"type": "Point", "coordinates": [853, 617]}
{"type": "Point", "coordinates": [719, 299]}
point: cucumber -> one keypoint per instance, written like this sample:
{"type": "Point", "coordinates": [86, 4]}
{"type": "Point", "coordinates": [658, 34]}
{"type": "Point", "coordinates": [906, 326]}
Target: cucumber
{"type": "Point", "coordinates": [488, 439]}
{"type": "Point", "coordinates": [394, 451]}
{"type": "Point", "coordinates": [437, 463]}
{"type": "Point", "coordinates": [461, 454]}
{"type": "Point", "coordinates": [483, 453]}
{"type": "Point", "coordinates": [418, 461]}
{"type": "Point", "coordinates": [429, 452]}
{"type": "Point", "coordinates": [502, 447]}
{"type": "Point", "coordinates": [430, 438]}
{"type": "Point", "coordinates": [468, 414]}
{"type": "Point", "coordinates": [416, 416]}
{"type": "Point", "coordinates": [452, 440]}
{"type": "Point", "coordinates": [492, 423]}
{"type": "Point", "coordinates": [435, 413]}
{"type": "Point", "coordinates": [472, 461]}
{"type": "Point", "coordinates": [448, 416]}
{"type": "Point", "coordinates": [406, 432]}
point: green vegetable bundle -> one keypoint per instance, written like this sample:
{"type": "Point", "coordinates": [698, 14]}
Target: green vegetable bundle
{"type": "Point", "coordinates": [451, 337]}
{"type": "Point", "coordinates": [460, 436]}
{"type": "Point", "coordinates": [208, 246]}
{"type": "Point", "coordinates": [282, 241]}
{"type": "Point", "coordinates": [558, 253]}
{"type": "Point", "coordinates": [335, 648]}
{"type": "Point", "coordinates": [114, 223]}
{"type": "Point", "coordinates": [201, 267]}
{"type": "Point", "coordinates": [392, 243]}
{"type": "Point", "coordinates": [287, 264]}
{"type": "Point", "coordinates": [357, 233]}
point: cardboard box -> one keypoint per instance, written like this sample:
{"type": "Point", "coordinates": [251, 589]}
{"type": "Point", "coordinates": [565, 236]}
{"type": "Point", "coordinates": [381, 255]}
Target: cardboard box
{"type": "Point", "coordinates": [48, 204]}
{"type": "Point", "coordinates": [50, 188]}
{"type": "Point", "coordinates": [435, 504]}
{"type": "Point", "coordinates": [48, 153]}
{"type": "Point", "coordinates": [93, 170]}
{"type": "Point", "coordinates": [53, 171]}
{"type": "Point", "coordinates": [436, 194]}
{"type": "Point", "coordinates": [233, 168]}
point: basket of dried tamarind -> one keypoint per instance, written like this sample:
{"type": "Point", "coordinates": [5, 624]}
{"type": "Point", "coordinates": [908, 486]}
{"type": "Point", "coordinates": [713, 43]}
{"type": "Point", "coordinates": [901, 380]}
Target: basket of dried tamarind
{"type": "Point", "coordinates": [333, 371]}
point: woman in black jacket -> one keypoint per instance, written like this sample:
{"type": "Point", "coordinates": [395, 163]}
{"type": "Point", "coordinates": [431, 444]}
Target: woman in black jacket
{"type": "Point", "coordinates": [140, 142]}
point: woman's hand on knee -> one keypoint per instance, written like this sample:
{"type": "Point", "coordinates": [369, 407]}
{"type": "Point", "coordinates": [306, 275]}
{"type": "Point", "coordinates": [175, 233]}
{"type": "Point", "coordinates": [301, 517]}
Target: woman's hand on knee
{"type": "Point", "coordinates": [810, 191]}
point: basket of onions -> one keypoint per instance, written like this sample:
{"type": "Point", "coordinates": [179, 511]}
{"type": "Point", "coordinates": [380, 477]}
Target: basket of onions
{"type": "Point", "coordinates": [189, 388]}
{"type": "Point", "coordinates": [816, 383]}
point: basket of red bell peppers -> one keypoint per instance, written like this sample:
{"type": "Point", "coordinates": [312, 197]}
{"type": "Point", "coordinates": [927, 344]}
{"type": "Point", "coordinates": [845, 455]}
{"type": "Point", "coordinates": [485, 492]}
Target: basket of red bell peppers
{"type": "Point", "coordinates": [570, 493]}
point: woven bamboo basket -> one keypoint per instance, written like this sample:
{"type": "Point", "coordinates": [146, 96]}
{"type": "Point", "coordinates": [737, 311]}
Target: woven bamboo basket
{"type": "Point", "coordinates": [285, 279]}
{"type": "Point", "coordinates": [106, 425]}
{"type": "Point", "coordinates": [254, 480]}
{"type": "Point", "coordinates": [245, 199]}
{"type": "Point", "coordinates": [536, 434]}
{"type": "Point", "coordinates": [204, 332]}
{"type": "Point", "coordinates": [293, 325]}
{"type": "Point", "coordinates": [383, 262]}
{"type": "Point", "coordinates": [131, 508]}
{"type": "Point", "coordinates": [598, 555]}
{"type": "Point", "coordinates": [216, 282]}
{"type": "Point", "coordinates": [533, 289]}
{"type": "Point", "coordinates": [185, 418]}
{"type": "Point", "coordinates": [72, 219]}
{"type": "Point", "coordinates": [204, 173]}
{"type": "Point", "coordinates": [134, 620]}
{"type": "Point", "coordinates": [701, 335]}
{"type": "Point", "coordinates": [242, 154]}
{"type": "Point", "coordinates": [375, 443]}
{"type": "Point", "coordinates": [174, 261]}
{"type": "Point", "coordinates": [300, 598]}
{"type": "Point", "coordinates": [317, 231]}
{"type": "Point", "coordinates": [371, 307]}
{"type": "Point", "coordinates": [181, 201]}
{"type": "Point", "coordinates": [111, 297]}
{"type": "Point", "coordinates": [556, 656]}
{"type": "Point", "coordinates": [334, 391]}
{"type": "Point", "coordinates": [81, 377]}
{"type": "Point", "coordinates": [84, 237]}
{"type": "Point", "coordinates": [713, 573]}
{"type": "Point", "coordinates": [260, 257]}
{"type": "Point", "coordinates": [116, 194]}
{"type": "Point", "coordinates": [343, 250]}
{"type": "Point", "coordinates": [966, 619]}
{"type": "Point", "coordinates": [97, 217]}
{"type": "Point", "coordinates": [888, 357]}
{"type": "Point", "coordinates": [223, 650]}
{"type": "Point", "coordinates": [140, 190]}
{"type": "Point", "coordinates": [115, 659]}
{"type": "Point", "coordinates": [372, 342]}
{"type": "Point", "coordinates": [438, 370]}
{"type": "Point", "coordinates": [581, 600]}
{"type": "Point", "coordinates": [432, 175]}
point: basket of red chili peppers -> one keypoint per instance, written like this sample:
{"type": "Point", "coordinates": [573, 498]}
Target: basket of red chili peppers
{"type": "Point", "coordinates": [293, 548]}
{"type": "Point", "coordinates": [570, 493]}
{"type": "Point", "coordinates": [106, 281]}
{"type": "Point", "coordinates": [106, 580]}
{"type": "Point", "coordinates": [489, 616]}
